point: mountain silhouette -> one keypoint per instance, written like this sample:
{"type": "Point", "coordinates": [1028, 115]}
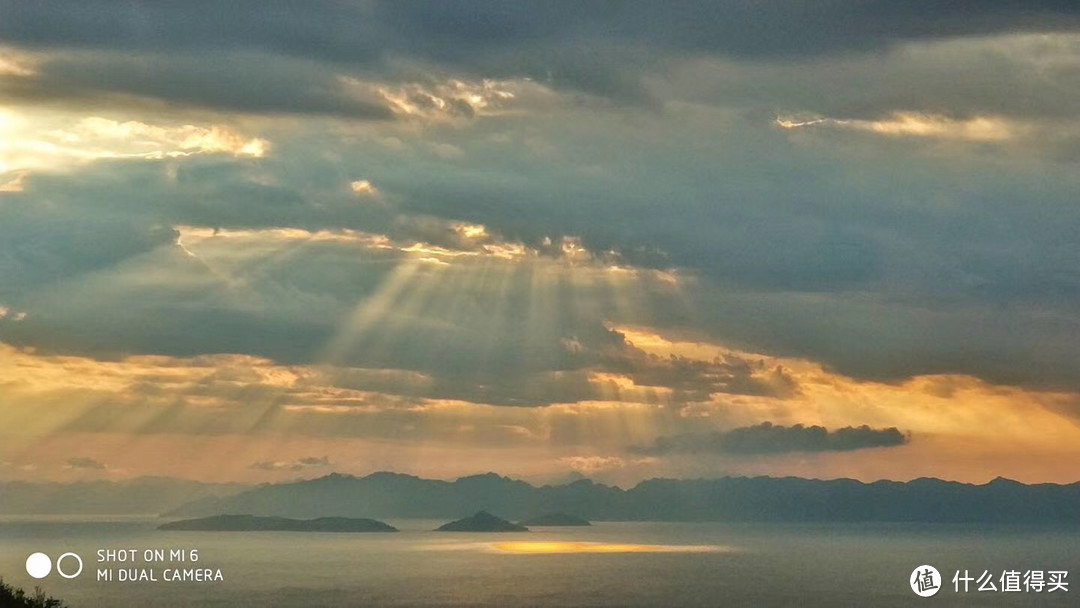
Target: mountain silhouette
{"type": "Point", "coordinates": [481, 521]}
{"type": "Point", "coordinates": [393, 495]}
{"type": "Point", "coordinates": [252, 523]}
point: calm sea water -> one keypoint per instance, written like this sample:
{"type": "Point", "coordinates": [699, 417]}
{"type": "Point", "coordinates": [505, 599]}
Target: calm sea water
{"type": "Point", "coordinates": [744, 565]}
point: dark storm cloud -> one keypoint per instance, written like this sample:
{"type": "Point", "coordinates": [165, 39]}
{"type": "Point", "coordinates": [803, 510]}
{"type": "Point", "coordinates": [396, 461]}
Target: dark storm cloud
{"type": "Point", "coordinates": [881, 257]}
{"type": "Point", "coordinates": [599, 47]}
{"type": "Point", "coordinates": [767, 438]}
{"type": "Point", "coordinates": [769, 213]}
{"type": "Point", "coordinates": [118, 209]}
{"type": "Point", "coordinates": [877, 280]}
{"type": "Point", "coordinates": [236, 82]}
{"type": "Point", "coordinates": [363, 31]}
{"type": "Point", "coordinates": [338, 30]}
{"type": "Point", "coordinates": [692, 379]}
{"type": "Point", "coordinates": [40, 248]}
{"type": "Point", "coordinates": [118, 282]}
{"type": "Point", "coordinates": [1023, 77]}
{"type": "Point", "coordinates": [723, 226]}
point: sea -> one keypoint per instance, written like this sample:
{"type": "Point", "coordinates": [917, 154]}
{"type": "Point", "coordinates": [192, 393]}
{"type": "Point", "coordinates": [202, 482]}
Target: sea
{"type": "Point", "coordinates": [606, 564]}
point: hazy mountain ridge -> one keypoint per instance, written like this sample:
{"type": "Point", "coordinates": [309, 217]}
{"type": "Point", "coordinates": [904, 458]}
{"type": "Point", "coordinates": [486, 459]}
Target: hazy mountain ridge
{"type": "Point", "coordinates": [390, 495]}
{"type": "Point", "coordinates": [140, 495]}
{"type": "Point", "coordinates": [252, 523]}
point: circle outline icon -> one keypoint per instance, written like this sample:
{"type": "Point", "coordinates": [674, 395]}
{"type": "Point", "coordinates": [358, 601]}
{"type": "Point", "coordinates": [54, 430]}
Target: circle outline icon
{"type": "Point", "coordinates": [64, 574]}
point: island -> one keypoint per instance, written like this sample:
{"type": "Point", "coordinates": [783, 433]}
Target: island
{"type": "Point", "coordinates": [253, 523]}
{"type": "Point", "coordinates": [556, 519]}
{"type": "Point", "coordinates": [482, 521]}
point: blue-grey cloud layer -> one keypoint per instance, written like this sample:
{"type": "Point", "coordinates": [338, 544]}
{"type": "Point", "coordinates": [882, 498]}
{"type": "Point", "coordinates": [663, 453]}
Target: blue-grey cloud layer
{"type": "Point", "coordinates": [881, 256]}
{"type": "Point", "coordinates": [213, 55]}
{"type": "Point", "coordinates": [363, 31]}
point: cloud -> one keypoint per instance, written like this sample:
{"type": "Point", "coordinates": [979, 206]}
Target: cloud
{"type": "Point", "coordinates": [913, 124]}
{"type": "Point", "coordinates": [262, 61]}
{"type": "Point", "coordinates": [453, 100]}
{"type": "Point", "coordinates": [194, 412]}
{"type": "Point", "coordinates": [361, 32]}
{"type": "Point", "coordinates": [530, 227]}
{"type": "Point", "coordinates": [245, 83]}
{"type": "Point", "coordinates": [14, 183]}
{"type": "Point", "coordinates": [185, 139]}
{"type": "Point", "coordinates": [33, 141]}
{"type": "Point", "coordinates": [1012, 77]}
{"type": "Point", "coordinates": [809, 242]}
{"type": "Point", "coordinates": [767, 438]}
{"type": "Point", "coordinates": [300, 464]}
{"type": "Point", "coordinates": [788, 294]}
{"type": "Point", "coordinates": [15, 63]}
{"type": "Point", "coordinates": [84, 463]}
{"type": "Point", "coordinates": [364, 188]}
{"type": "Point", "coordinates": [593, 465]}
{"type": "Point", "coordinates": [14, 316]}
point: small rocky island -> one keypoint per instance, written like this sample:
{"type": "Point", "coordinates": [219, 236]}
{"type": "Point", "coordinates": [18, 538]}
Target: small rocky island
{"type": "Point", "coordinates": [556, 519]}
{"type": "Point", "coordinates": [482, 521]}
{"type": "Point", "coordinates": [253, 523]}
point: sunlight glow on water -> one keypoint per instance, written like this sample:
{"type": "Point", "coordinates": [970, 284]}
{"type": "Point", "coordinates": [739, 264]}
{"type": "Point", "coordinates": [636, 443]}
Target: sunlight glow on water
{"type": "Point", "coordinates": [537, 548]}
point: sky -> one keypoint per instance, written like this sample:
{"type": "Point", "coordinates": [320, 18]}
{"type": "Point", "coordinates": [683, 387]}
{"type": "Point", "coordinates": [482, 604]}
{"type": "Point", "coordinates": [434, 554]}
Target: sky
{"type": "Point", "coordinates": [258, 241]}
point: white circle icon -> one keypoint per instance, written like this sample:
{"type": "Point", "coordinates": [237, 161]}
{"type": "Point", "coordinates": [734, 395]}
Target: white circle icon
{"type": "Point", "coordinates": [65, 574]}
{"type": "Point", "coordinates": [38, 565]}
{"type": "Point", "coordinates": [925, 581]}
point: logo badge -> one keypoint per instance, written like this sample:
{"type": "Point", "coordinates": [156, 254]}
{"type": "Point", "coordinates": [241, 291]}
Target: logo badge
{"type": "Point", "coordinates": [925, 581]}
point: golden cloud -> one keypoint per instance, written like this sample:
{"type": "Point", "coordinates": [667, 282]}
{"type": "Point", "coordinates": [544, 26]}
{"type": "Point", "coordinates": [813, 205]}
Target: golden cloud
{"type": "Point", "coordinates": [917, 124]}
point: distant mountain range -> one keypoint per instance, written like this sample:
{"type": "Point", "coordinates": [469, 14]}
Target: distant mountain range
{"type": "Point", "coordinates": [252, 523]}
{"type": "Point", "coordinates": [394, 495]}
{"type": "Point", "coordinates": [141, 495]}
